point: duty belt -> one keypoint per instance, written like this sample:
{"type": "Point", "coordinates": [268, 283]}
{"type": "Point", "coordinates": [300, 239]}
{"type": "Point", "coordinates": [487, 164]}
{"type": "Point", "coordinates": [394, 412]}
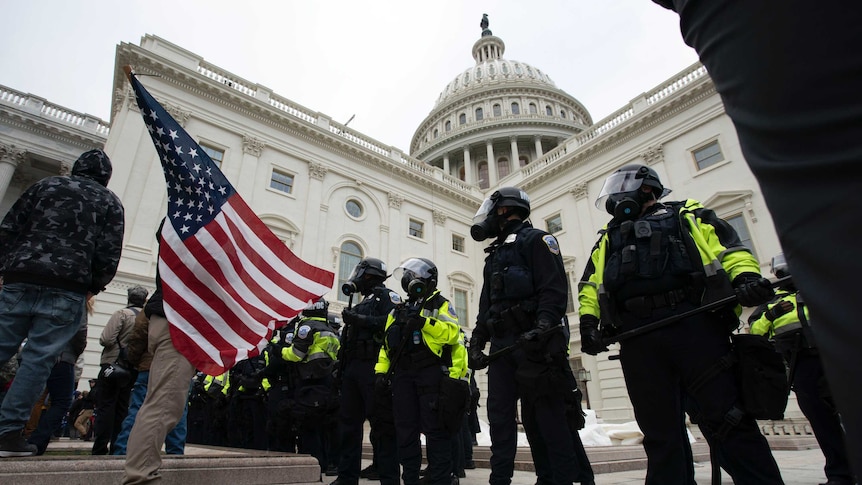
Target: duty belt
{"type": "Point", "coordinates": [644, 305]}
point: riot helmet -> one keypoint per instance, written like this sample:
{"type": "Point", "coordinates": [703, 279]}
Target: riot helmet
{"type": "Point", "coordinates": [137, 295]}
{"type": "Point", "coordinates": [319, 308]}
{"type": "Point", "coordinates": [369, 273]}
{"type": "Point", "coordinates": [779, 266]}
{"type": "Point", "coordinates": [418, 277]}
{"type": "Point", "coordinates": [622, 194]}
{"type": "Point", "coordinates": [486, 222]}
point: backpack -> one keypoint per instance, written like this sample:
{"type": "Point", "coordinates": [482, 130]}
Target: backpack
{"type": "Point", "coordinates": [762, 376]}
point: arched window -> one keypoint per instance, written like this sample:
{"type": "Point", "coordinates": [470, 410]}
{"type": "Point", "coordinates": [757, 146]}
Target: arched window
{"type": "Point", "coordinates": [462, 118]}
{"type": "Point", "coordinates": [480, 114]}
{"type": "Point", "coordinates": [533, 109]}
{"type": "Point", "coordinates": [484, 183]}
{"type": "Point", "coordinates": [462, 173]}
{"type": "Point", "coordinates": [503, 167]}
{"type": "Point", "coordinates": [436, 134]}
{"type": "Point", "coordinates": [563, 114]}
{"type": "Point", "coordinates": [351, 255]}
{"type": "Point", "coordinates": [516, 109]}
{"type": "Point", "coordinates": [549, 111]}
{"type": "Point", "coordinates": [497, 110]}
{"type": "Point", "coordinates": [448, 125]}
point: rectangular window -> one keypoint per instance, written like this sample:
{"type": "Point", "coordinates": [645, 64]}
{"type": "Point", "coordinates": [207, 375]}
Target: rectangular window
{"type": "Point", "coordinates": [738, 223]}
{"type": "Point", "coordinates": [215, 154]}
{"type": "Point", "coordinates": [457, 243]}
{"type": "Point", "coordinates": [417, 228]}
{"type": "Point", "coordinates": [281, 181]}
{"type": "Point", "coordinates": [459, 301]}
{"type": "Point", "coordinates": [707, 155]}
{"type": "Point", "coordinates": [555, 224]}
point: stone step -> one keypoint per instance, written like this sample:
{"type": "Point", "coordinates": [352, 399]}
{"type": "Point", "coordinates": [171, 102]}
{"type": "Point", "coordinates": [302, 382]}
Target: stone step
{"type": "Point", "coordinates": [200, 466]}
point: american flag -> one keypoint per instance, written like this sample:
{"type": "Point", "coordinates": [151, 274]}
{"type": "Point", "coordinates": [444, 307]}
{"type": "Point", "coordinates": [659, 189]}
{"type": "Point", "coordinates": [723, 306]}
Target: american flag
{"type": "Point", "coordinates": [226, 278]}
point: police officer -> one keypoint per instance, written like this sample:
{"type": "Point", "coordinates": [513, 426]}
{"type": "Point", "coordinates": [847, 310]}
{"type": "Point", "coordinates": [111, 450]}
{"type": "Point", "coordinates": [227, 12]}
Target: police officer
{"type": "Point", "coordinates": [654, 260]}
{"type": "Point", "coordinates": [282, 378]}
{"type": "Point", "coordinates": [314, 349]}
{"type": "Point", "coordinates": [416, 358]}
{"type": "Point", "coordinates": [247, 407]}
{"type": "Point", "coordinates": [360, 346]}
{"type": "Point", "coordinates": [522, 306]}
{"type": "Point", "coordinates": [785, 319]}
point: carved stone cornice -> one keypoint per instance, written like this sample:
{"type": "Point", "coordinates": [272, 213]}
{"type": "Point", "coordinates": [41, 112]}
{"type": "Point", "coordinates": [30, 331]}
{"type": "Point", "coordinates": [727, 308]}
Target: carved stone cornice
{"type": "Point", "coordinates": [252, 146]}
{"type": "Point", "coordinates": [12, 154]}
{"type": "Point", "coordinates": [65, 168]}
{"type": "Point", "coordinates": [395, 200]}
{"type": "Point", "coordinates": [121, 95]}
{"type": "Point", "coordinates": [317, 170]}
{"type": "Point", "coordinates": [653, 155]}
{"type": "Point", "coordinates": [579, 190]}
{"type": "Point", "coordinates": [177, 113]}
{"type": "Point", "coordinates": [439, 217]}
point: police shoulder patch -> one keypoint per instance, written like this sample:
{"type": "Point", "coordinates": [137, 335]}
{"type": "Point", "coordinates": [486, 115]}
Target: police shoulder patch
{"type": "Point", "coordinates": [303, 332]}
{"type": "Point", "coordinates": [552, 244]}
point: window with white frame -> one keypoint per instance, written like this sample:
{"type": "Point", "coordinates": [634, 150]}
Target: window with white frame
{"type": "Point", "coordinates": [459, 301]}
{"type": "Point", "coordinates": [554, 223]}
{"type": "Point", "coordinates": [350, 256]}
{"type": "Point", "coordinates": [738, 223]}
{"type": "Point", "coordinates": [457, 243]}
{"type": "Point", "coordinates": [707, 155]}
{"type": "Point", "coordinates": [215, 154]}
{"type": "Point", "coordinates": [416, 228]}
{"type": "Point", "coordinates": [281, 181]}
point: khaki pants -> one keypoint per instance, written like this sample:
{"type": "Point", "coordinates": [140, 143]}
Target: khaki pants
{"type": "Point", "coordinates": [82, 422]}
{"type": "Point", "coordinates": [167, 393]}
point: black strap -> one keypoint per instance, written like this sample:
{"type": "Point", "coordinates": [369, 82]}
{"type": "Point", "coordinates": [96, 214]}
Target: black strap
{"type": "Point", "coordinates": [723, 363]}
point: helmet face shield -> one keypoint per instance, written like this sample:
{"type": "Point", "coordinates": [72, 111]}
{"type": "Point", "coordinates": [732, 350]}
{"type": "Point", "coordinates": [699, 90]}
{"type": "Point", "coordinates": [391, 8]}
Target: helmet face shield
{"type": "Point", "coordinates": [416, 266]}
{"type": "Point", "coordinates": [418, 277]}
{"type": "Point", "coordinates": [485, 209]}
{"type": "Point", "coordinates": [618, 183]}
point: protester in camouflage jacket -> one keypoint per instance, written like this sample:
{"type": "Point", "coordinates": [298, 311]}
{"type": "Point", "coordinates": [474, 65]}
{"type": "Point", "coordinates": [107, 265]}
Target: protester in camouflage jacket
{"type": "Point", "coordinates": [60, 243]}
{"type": "Point", "coordinates": [65, 232]}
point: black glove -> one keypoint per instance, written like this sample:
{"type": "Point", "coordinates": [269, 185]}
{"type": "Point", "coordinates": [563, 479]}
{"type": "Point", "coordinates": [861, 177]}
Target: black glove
{"type": "Point", "coordinates": [752, 289]}
{"type": "Point", "coordinates": [542, 328]}
{"type": "Point", "coordinates": [591, 338]}
{"type": "Point", "coordinates": [476, 359]}
{"type": "Point", "coordinates": [349, 317]}
{"type": "Point", "coordinates": [415, 323]}
{"type": "Point", "coordinates": [779, 309]}
{"type": "Point", "coordinates": [382, 384]}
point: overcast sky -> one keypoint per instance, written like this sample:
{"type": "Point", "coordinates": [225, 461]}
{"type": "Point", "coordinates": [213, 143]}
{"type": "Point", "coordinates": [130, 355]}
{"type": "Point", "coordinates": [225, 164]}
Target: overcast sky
{"type": "Point", "coordinates": [384, 61]}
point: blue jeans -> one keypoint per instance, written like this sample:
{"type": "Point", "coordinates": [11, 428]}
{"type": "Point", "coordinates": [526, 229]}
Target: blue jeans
{"type": "Point", "coordinates": [48, 318]}
{"type": "Point", "coordinates": [175, 441]}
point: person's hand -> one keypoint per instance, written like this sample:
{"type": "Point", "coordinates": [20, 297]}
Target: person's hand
{"type": "Point", "coordinates": [542, 327]}
{"type": "Point", "coordinates": [779, 309]}
{"type": "Point", "coordinates": [752, 289]}
{"type": "Point", "coordinates": [476, 359]}
{"type": "Point", "coordinates": [381, 383]}
{"type": "Point", "coordinates": [349, 317]}
{"type": "Point", "coordinates": [591, 337]}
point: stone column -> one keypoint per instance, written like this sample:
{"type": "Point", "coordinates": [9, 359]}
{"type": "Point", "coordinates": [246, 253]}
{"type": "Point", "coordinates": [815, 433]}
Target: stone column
{"type": "Point", "coordinates": [469, 173]}
{"type": "Point", "coordinates": [252, 148]}
{"type": "Point", "coordinates": [515, 162]}
{"type": "Point", "coordinates": [446, 164]}
{"type": "Point", "coordinates": [10, 158]}
{"type": "Point", "coordinates": [537, 140]}
{"type": "Point", "coordinates": [492, 164]}
{"type": "Point", "coordinates": [315, 212]}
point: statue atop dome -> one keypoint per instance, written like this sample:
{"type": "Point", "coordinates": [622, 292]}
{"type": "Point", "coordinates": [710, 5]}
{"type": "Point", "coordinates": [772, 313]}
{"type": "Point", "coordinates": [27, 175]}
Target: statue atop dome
{"type": "Point", "coordinates": [484, 25]}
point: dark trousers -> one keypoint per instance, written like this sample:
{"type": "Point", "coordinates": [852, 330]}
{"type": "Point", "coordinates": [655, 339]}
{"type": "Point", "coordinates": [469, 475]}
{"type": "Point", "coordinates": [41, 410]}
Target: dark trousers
{"type": "Point", "coordinates": [357, 404]}
{"type": "Point", "coordinates": [414, 399]}
{"type": "Point", "coordinates": [558, 453]}
{"type": "Point", "coordinates": [60, 386]}
{"type": "Point", "coordinates": [282, 436]}
{"type": "Point", "coordinates": [502, 405]}
{"type": "Point", "coordinates": [657, 366]}
{"type": "Point", "coordinates": [112, 404]}
{"type": "Point", "coordinates": [808, 383]}
{"type": "Point", "coordinates": [789, 73]}
{"type": "Point", "coordinates": [247, 422]}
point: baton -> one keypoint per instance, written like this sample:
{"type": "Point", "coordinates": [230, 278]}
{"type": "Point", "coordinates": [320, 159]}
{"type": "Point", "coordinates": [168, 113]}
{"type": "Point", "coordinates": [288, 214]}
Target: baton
{"type": "Point", "coordinates": [519, 342]}
{"type": "Point", "coordinates": [675, 318]}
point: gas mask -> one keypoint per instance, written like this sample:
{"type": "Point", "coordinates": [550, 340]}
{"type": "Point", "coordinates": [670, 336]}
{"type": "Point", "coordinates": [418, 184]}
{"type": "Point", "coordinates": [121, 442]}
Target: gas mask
{"type": "Point", "coordinates": [488, 228]}
{"type": "Point", "coordinates": [627, 205]}
{"type": "Point", "coordinates": [415, 287]}
{"type": "Point", "coordinates": [418, 278]}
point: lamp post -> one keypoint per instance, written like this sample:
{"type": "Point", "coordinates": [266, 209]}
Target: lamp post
{"type": "Point", "coordinates": [584, 376]}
